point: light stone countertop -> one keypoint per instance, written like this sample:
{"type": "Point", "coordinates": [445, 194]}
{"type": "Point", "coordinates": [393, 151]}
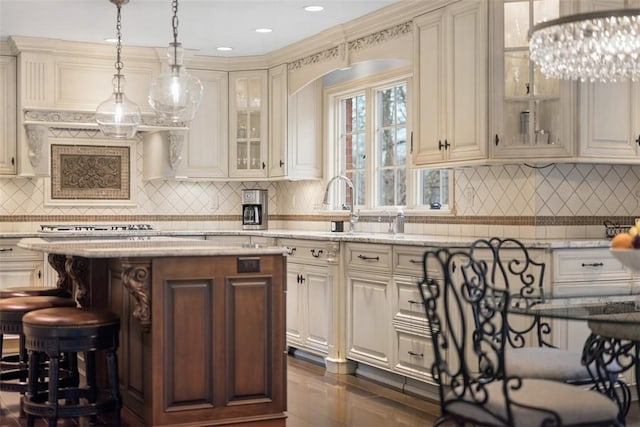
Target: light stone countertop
{"type": "Point", "coordinates": [147, 247]}
{"type": "Point", "coordinates": [378, 238]}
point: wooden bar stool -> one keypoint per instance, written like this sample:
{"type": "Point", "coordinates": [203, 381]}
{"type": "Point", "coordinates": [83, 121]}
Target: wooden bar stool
{"type": "Point", "coordinates": [14, 373]}
{"type": "Point", "coordinates": [53, 331]}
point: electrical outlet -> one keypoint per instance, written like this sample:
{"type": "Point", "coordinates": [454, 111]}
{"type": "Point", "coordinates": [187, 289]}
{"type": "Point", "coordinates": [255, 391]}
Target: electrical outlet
{"type": "Point", "coordinates": [214, 204]}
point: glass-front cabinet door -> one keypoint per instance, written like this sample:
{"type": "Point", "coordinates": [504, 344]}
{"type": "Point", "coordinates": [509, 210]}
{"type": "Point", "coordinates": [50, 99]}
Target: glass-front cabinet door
{"type": "Point", "coordinates": [532, 116]}
{"type": "Point", "coordinates": [248, 131]}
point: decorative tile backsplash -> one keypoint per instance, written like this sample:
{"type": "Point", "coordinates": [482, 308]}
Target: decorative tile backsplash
{"type": "Point", "coordinates": [559, 194]}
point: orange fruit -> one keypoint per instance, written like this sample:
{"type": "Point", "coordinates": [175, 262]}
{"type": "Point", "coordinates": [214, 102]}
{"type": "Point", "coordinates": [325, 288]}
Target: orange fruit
{"type": "Point", "coordinates": [622, 241]}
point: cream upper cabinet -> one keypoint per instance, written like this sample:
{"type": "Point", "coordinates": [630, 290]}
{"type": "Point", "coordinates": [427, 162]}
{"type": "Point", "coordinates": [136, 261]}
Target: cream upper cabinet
{"type": "Point", "coordinates": [207, 138]}
{"type": "Point", "coordinates": [450, 75]}
{"type": "Point", "coordinates": [278, 97]}
{"type": "Point", "coordinates": [609, 112]}
{"type": "Point", "coordinates": [8, 136]}
{"type": "Point", "coordinates": [304, 135]}
{"type": "Point", "coordinates": [295, 128]}
{"type": "Point", "coordinates": [248, 124]}
{"type": "Point", "coordinates": [201, 151]}
{"type": "Point", "coordinates": [531, 116]}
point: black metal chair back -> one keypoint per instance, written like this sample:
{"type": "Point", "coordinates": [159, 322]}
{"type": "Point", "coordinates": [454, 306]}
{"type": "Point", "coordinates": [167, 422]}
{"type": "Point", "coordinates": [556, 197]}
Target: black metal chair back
{"type": "Point", "coordinates": [511, 268]}
{"type": "Point", "coordinates": [453, 284]}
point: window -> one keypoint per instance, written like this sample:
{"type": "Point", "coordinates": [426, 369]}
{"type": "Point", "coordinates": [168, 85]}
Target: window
{"type": "Point", "coordinates": [371, 129]}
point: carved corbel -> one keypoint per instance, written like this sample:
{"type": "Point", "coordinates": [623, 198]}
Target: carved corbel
{"type": "Point", "coordinates": [36, 141]}
{"type": "Point", "coordinates": [136, 277]}
{"type": "Point", "coordinates": [176, 144]}
{"type": "Point", "coordinates": [58, 263]}
{"type": "Point", "coordinates": [77, 270]}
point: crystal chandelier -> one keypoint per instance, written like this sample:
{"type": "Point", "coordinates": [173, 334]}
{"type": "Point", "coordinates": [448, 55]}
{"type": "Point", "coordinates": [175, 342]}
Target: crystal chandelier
{"type": "Point", "coordinates": [596, 47]}
{"type": "Point", "coordinates": [175, 95]}
{"type": "Point", "coordinates": [118, 117]}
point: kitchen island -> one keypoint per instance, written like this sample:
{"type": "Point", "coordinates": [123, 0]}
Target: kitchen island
{"type": "Point", "coordinates": [203, 324]}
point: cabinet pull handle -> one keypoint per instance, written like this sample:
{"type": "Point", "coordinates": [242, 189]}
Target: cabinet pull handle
{"type": "Point", "coordinates": [637, 141]}
{"type": "Point", "coordinates": [415, 261]}
{"type": "Point", "coordinates": [413, 353]}
{"type": "Point", "coordinates": [497, 139]}
{"type": "Point", "coordinates": [300, 278]}
{"type": "Point", "coordinates": [263, 165]}
{"type": "Point", "coordinates": [6, 249]}
{"type": "Point", "coordinates": [39, 274]}
{"type": "Point", "coordinates": [13, 161]}
{"type": "Point", "coordinates": [316, 254]}
{"type": "Point", "coordinates": [281, 163]}
{"type": "Point", "coordinates": [446, 145]}
{"type": "Point", "coordinates": [415, 302]}
{"type": "Point", "coordinates": [290, 250]}
{"type": "Point", "coordinates": [369, 258]}
{"type": "Point", "coordinates": [593, 264]}
{"type": "Point", "coordinates": [411, 149]}
{"type": "Point", "coordinates": [440, 146]}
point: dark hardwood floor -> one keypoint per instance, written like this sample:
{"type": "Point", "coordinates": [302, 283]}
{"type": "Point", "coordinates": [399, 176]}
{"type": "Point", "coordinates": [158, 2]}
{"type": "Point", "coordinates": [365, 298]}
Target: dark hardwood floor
{"type": "Point", "coordinates": [319, 399]}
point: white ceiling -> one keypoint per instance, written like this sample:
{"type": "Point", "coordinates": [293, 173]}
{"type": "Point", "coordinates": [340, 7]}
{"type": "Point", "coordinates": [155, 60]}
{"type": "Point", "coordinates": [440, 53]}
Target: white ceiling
{"type": "Point", "coordinates": [203, 24]}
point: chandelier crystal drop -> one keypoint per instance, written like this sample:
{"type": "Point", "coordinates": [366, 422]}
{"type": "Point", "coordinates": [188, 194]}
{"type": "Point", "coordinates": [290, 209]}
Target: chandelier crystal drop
{"type": "Point", "coordinates": [175, 95]}
{"type": "Point", "coordinates": [118, 117]}
{"type": "Point", "coordinates": [594, 47]}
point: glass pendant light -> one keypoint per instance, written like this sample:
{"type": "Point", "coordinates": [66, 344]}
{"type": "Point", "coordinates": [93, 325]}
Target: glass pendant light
{"type": "Point", "coordinates": [175, 95]}
{"type": "Point", "coordinates": [118, 117]}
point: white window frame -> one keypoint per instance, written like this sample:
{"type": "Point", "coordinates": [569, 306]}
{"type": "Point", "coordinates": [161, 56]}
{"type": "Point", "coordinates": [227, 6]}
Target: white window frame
{"type": "Point", "coordinates": [369, 85]}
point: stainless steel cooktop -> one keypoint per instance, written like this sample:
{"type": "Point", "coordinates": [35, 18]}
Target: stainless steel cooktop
{"type": "Point", "coordinates": [48, 228]}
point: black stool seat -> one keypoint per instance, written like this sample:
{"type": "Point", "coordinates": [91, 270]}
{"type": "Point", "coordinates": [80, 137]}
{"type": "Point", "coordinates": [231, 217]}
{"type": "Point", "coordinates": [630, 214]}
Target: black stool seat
{"type": "Point", "coordinates": [34, 291]}
{"type": "Point", "coordinates": [14, 368]}
{"type": "Point", "coordinates": [53, 331]}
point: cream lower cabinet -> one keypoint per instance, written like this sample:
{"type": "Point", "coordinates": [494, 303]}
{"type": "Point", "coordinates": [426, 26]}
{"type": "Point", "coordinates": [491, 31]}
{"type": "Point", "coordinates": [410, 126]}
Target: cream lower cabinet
{"type": "Point", "coordinates": [309, 296]}
{"type": "Point", "coordinates": [412, 346]}
{"type": "Point", "coordinates": [369, 304]}
{"type": "Point", "coordinates": [19, 267]}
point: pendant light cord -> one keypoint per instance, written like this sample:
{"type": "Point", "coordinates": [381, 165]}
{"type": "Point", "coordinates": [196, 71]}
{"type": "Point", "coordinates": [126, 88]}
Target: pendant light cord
{"type": "Point", "coordinates": [119, 64]}
{"type": "Point", "coordinates": [174, 25]}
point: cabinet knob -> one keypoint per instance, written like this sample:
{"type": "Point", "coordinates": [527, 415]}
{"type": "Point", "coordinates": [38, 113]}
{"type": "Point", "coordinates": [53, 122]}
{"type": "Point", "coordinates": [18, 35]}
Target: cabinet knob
{"type": "Point", "coordinates": [290, 250]}
{"type": "Point", "coordinates": [281, 163]}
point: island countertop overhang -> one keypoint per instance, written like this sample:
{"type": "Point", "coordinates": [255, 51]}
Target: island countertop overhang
{"type": "Point", "coordinates": [151, 247]}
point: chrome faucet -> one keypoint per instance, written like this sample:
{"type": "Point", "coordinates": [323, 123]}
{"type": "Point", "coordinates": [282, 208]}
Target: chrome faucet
{"type": "Point", "coordinates": [353, 217]}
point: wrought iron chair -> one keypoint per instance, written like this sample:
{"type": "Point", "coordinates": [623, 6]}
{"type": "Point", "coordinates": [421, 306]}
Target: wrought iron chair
{"type": "Point", "coordinates": [469, 364]}
{"type": "Point", "coordinates": [511, 267]}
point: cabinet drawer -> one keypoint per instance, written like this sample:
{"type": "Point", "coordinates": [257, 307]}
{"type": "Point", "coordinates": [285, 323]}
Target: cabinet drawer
{"type": "Point", "coordinates": [409, 300]}
{"type": "Point", "coordinates": [592, 264]}
{"type": "Point", "coordinates": [408, 260]}
{"type": "Point", "coordinates": [368, 257]}
{"type": "Point", "coordinates": [9, 251]}
{"type": "Point", "coordinates": [307, 250]}
{"type": "Point", "coordinates": [414, 353]}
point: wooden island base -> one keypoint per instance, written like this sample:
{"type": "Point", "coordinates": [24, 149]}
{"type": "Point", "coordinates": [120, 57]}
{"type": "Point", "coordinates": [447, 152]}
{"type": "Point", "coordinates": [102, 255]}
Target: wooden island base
{"type": "Point", "coordinates": [202, 339]}
{"type": "Point", "coordinates": [214, 352]}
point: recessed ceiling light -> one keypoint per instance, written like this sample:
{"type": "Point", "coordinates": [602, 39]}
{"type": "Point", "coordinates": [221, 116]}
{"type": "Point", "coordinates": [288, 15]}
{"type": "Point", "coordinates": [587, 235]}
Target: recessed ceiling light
{"type": "Point", "coordinates": [224, 48]}
{"type": "Point", "coordinates": [263, 30]}
{"type": "Point", "coordinates": [314, 8]}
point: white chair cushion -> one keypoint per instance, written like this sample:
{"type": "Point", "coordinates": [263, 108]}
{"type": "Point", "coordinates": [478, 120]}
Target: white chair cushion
{"type": "Point", "coordinates": [546, 363]}
{"type": "Point", "coordinates": [574, 405]}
